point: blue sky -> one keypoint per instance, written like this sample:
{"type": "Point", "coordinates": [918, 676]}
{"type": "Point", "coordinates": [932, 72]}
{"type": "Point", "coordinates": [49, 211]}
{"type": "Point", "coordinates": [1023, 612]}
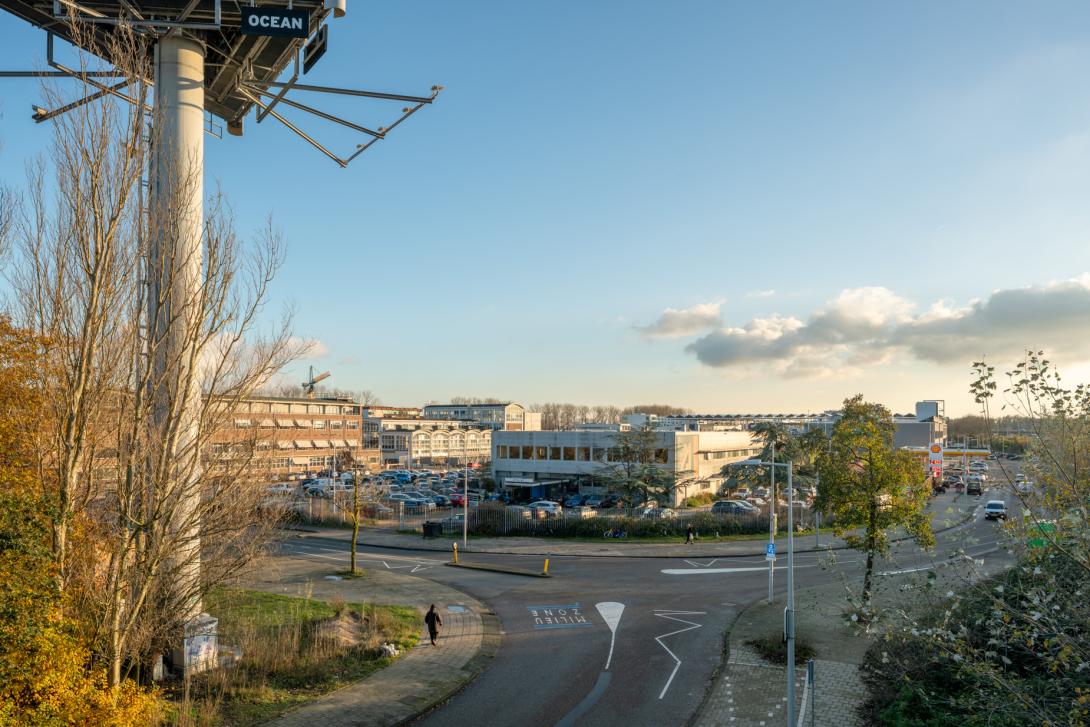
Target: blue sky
{"type": "Point", "coordinates": [591, 165]}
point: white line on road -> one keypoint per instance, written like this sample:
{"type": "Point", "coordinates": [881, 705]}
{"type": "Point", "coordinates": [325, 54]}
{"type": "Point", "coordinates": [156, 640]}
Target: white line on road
{"type": "Point", "coordinates": [672, 615]}
{"type": "Point", "coordinates": [705, 571]}
{"type": "Point", "coordinates": [611, 613]}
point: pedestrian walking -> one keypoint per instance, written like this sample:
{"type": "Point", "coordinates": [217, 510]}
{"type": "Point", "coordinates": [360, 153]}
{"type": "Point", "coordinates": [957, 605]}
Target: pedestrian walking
{"type": "Point", "coordinates": [434, 621]}
{"type": "Point", "coordinates": [690, 534]}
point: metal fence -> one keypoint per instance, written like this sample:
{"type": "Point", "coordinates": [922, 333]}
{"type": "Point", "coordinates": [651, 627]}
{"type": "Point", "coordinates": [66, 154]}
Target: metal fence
{"type": "Point", "coordinates": [497, 519]}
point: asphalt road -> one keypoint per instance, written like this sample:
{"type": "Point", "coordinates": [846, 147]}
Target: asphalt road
{"type": "Point", "coordinates": [632, 641]}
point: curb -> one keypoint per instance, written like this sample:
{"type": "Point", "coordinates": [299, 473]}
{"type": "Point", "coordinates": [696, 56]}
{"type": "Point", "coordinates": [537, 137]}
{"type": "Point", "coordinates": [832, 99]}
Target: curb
{"type": "Point", "coordinates": [499, 569]}
{"type": "Point", "coordinates": [491, 638]}
{"type": "Point", "coordinates": [717, 673]}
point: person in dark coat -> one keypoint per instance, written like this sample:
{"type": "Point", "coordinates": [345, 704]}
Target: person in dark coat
{"type": "Point", "coordinates": [434, 621]}
{"type": "Point", "coordinates": [690, 534]}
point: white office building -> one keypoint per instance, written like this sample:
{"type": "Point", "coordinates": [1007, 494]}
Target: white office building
{"type": "Point", "coordinates": [507, 415]}
{"type": "Point", "coordinates": [418, 442]}
{"type": "Point", "coordinates": [556, 463]}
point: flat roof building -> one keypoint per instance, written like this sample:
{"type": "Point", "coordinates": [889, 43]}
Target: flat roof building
{"type": "Point", "coordinates": [572, 461]}
{"type": "Point", "coordinates": [508, 416]}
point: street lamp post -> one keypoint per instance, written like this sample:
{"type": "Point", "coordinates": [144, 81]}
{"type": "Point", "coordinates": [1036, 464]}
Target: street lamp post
{"type": "Point", "coordinates": [789, 612]}
{"type": "Point", "coordinates": [772, 519]}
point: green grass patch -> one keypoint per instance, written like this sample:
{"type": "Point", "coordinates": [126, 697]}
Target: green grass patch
{"type": "Point", "coordinates": [773, 649]}
{"type": "Point", "coordinates": [293, 650]}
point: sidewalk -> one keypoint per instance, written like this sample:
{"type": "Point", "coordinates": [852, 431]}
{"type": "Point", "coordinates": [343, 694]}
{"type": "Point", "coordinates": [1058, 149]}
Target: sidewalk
{"type": "Point", "coordinates": [750, 690]}
{"type": "Point", "coordinates": [425, 676]}
{"type": "Point", "coordinates": [950, 511]}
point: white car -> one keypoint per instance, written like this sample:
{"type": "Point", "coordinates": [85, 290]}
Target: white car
{"type": "Point", "coordinates": [284, 488]}
{"type": "Point", "coordinates": [547, 506]}
{"type": "Point", "coordinates": [995, 510]}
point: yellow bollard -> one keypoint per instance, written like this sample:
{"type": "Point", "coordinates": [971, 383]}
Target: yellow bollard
{"type": "Point", "coordinates": [545, 572]}
{"type": "Point", "coordinates": [455, 553]}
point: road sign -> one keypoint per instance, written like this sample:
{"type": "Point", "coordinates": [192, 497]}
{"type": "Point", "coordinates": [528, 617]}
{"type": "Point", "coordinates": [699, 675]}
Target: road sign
{"type": "Point", "coordinates": [316, 48]}
{"type": "Point", "coordinates": [279, 22]}
{"type": "Point", "coordinates": [770, 551]}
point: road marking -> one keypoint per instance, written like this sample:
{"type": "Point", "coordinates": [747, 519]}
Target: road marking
{"type": "Point", "coordinates": [704, 571]}
{"type": "Point", "coordinates": [672, 615]}
{"type": "Point", "coordinates": [611, 613]}
{"type": "Point", "coordinates": [565, 616]}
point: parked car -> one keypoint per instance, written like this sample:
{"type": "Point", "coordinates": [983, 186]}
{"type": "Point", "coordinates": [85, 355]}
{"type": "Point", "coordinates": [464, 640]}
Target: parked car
{"type": "Point", "coordinates": [546, 506]}
{"type": "Point", "coordinates": [519, 511]}
{"type": "Point", "coordinates": [593, 501]}
{"type": "Point", "coordinates": [457, 499]}
{"type": "Point", "coordinates": [376, 510]}
{"type": "Point", "coordinates": [995, 510]}
{"type": "Point", "coordinates": [610, 500]}
{"type": "Point", "coordinates": [283, 488]}
{"type": "Point", "coordinates": [421, 505]}
{"type": "Point", "coordinates": [659, 513]}
{"type": "Point", "coordinates": [734, 507]}
{"type": "Point", "coordinates": [762, 492]}
{"type": "Point", "coordinates": [741, 493]}
{"type": "Point", "coordinates": [581, 512]}
{"type": "Point", "coordinates": [453, 524]}
{"type": "Point", "coordinates": [574, 501]}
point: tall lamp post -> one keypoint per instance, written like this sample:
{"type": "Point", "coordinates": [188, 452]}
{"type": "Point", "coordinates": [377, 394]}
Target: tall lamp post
{"type": "Point", "coordinates": [789, 612]}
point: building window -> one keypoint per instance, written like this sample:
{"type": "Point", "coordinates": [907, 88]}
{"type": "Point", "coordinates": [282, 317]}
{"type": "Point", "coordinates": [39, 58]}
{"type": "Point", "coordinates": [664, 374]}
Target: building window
{"type": "Point", "coordinates": [554, 453]}
{"type": "Point", "coordinates": [319, 424]}
{"type": "Point", "coordinates": [542, 453]}
{"type": "Point", "coordinates": [582, 454]}
{"type": "Point", "coordinates": [527, 452]}
{"type": "Point", "coordinates": [352, 424]}
{"type": "Point", "coordinates": [513, 453]}
{"type": "Point", "coordinates": [662, 456]}
{"type": "Point", "coordinates": [569, 454]}
{"type": "Point", "coordinates": [501, 451]}
{"type": "Point", "coordinates": [336, 424]}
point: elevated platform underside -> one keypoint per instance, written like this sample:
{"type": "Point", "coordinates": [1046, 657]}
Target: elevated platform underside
{"type": "Point", "coordinates": [228, 51]}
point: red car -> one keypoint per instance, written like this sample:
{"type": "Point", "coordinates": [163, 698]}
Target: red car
{"type": "Point", "coordinates": [458, 499]}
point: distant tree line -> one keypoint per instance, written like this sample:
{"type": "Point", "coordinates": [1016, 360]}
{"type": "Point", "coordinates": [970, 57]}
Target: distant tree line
{"type": "Point", "coordinates": [564, 416]}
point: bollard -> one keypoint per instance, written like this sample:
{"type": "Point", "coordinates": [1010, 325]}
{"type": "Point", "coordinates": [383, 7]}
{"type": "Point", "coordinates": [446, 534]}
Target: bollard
{"type": "Point", "coordinates": [545, 570]}
{"type": "Point", "coordinates": [813, 697]}
{"type": "Point", "coordinates": [455, 553]}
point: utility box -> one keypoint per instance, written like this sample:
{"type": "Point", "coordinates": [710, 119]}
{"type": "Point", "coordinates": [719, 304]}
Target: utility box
{"type": "Point", "coordinates": [433, 530]}
{"type": "Point", "coordinates": [200, 645]}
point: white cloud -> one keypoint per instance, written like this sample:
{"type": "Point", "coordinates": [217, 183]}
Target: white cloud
{"type": "Point", "coordinates": [310, 347]}
{"type": "Point", "coordinates": [675, 323]}
{"type": "Point", "coordinates": [866, 327]}
{"type": "Point", "coordinates": [761, 293]}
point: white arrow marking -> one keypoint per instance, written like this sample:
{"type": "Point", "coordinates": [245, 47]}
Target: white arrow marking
{"type": "Point", "coordinates": [677, 665]}
{"type": "Point", "coordinates": [611, 613]}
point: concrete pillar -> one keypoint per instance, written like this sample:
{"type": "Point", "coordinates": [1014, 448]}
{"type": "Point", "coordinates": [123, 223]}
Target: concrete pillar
{"type": "Point", "coordinates": [175, 314]}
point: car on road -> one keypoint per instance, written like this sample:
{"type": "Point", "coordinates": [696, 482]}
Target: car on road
{"type": "Point", "coordinates": [547, 506]}
{"type": "Point", "coordinates": [734, 507]}
{"type": "Point", "coordinates": [995, 510]}
{"type": "Point", "coordinates": [974, 486]}
{"type": "Point", "coordinates": [1024, 486]}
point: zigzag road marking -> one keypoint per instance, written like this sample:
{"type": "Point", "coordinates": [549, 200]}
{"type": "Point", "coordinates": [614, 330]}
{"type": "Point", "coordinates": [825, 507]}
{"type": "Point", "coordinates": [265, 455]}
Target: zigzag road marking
{"type": "Point", "coordinates": [672, 615]}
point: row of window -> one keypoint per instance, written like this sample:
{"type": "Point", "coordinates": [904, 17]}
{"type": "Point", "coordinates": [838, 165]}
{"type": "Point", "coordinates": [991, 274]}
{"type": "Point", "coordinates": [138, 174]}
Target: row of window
{"type": "Point", "coordinates": [299, 424]}
{"type": "Point", "coordinates": [265, 407]}
{"type": "Point", "coordinates": [727, 453]}
{"type": "Point", "coordinates": [572, 454]}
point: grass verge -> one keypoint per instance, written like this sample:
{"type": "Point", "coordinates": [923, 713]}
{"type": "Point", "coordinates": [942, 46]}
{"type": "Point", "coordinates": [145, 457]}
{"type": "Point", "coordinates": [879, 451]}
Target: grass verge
{"type": "Point", "coordinates": [773, 649]}
{"type": "Point", "coordinates": [293, 650]}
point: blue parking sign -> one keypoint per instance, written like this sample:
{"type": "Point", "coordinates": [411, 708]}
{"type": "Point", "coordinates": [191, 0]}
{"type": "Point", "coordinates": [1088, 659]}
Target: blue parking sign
{"type": "Point", "coordinates": [770, 551]}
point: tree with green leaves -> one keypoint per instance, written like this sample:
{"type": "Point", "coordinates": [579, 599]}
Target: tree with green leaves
{"type": "Point", "coordinates": [635, 466]}
{"type": "Point", "coordinates": [868, 483]}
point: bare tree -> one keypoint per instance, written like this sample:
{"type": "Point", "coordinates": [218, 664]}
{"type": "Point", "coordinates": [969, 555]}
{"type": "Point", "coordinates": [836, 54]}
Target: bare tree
{"type": "Point", "coordinates": [146, 365]}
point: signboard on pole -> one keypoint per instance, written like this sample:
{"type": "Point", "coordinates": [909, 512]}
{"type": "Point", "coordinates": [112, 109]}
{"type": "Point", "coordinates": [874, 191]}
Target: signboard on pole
{"type": "Point", "coordinates": [934, 459]}
{"type": "Point", "coordinates": [770, 551]}
{"type": "Point", "coordinates": [279, 22]}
